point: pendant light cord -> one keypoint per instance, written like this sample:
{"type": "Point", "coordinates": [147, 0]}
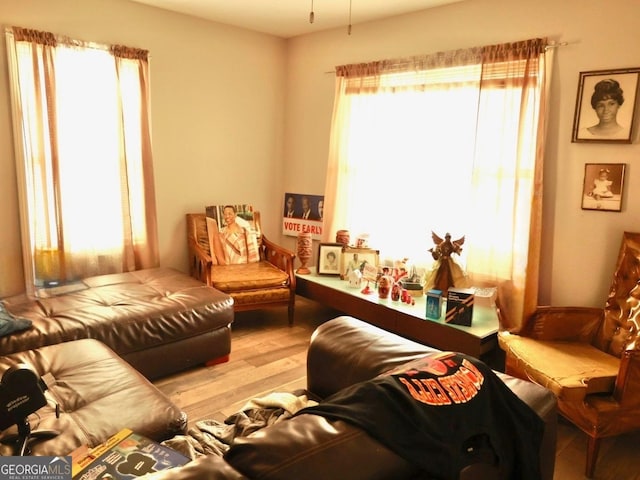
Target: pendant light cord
{"type": "Point", "coordinates": [312, 16]}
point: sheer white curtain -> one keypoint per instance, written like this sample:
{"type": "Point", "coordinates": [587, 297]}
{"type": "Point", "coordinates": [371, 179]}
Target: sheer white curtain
{"type": "Point", "coordinates": [450, 142]}
{"type": "Point", "coordinates": [83, 156]}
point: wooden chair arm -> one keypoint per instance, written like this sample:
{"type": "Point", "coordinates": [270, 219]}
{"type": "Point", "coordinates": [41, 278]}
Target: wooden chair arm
{"type": "Point", "coordinates": [200, 262]}
{"type": "Point", "coordinates": [627, 387]}
{"type": "Point", "coordinates": [280, 257]}
{"type": "Point", "coordinates": [578, 324]}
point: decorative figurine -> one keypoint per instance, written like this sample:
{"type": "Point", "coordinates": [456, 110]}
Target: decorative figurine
{"type": "Point", "coordinates": [413, 282]}
{"type": "Point", "coordinates": [446, 271]}
{"type": "Point", "coordinates": [384, 286]}
{"type": "Point", "coordinates": [400, 269]}
{"type": "Point", "coordinates": [355, 278]}
{"type": "Point", "coordinates": [396, 292]}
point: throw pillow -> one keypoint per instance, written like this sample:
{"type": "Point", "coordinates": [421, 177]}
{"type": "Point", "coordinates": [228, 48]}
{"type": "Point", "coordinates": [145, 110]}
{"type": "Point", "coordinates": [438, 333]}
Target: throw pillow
{"type": "Point", "coordinates": [9, 323]}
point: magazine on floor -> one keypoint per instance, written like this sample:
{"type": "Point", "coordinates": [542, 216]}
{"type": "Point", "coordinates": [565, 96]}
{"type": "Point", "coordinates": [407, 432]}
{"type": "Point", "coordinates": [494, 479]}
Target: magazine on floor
{"type": "Point", "coordinates": [124, 456]}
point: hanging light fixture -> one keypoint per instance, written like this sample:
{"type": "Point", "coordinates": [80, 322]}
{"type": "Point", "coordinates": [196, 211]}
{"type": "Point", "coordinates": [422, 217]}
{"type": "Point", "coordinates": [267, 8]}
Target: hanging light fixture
{"type": "Point", "coordinates": [312, 16]}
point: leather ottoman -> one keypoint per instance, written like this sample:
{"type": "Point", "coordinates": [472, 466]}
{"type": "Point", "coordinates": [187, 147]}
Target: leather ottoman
{"type": "Point", "coordinates": [98, 394]}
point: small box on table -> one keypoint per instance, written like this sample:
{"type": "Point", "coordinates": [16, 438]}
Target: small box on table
{"type": "Point", "coordinates": [459, 306]}
{"type": "Point", "coordinates": [434, 304]}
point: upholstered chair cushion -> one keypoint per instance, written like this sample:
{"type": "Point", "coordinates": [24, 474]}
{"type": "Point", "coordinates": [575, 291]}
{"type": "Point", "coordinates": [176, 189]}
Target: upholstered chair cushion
{"type": "Point", "coordinates": [251, 276]}
{"type": "Point", "coordinates": [570, 370]}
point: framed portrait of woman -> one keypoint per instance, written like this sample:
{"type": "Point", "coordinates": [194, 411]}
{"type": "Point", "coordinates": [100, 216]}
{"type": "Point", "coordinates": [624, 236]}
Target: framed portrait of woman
{"type": "Point", "coordinates": [603, 186]}
{"type": "Point", "coordinates": [606, 106]}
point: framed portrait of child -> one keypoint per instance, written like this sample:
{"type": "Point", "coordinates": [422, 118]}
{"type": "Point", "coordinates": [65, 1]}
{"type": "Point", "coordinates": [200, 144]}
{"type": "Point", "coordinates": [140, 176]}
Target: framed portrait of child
{"type": "Point", "coordinates": [603, 186]}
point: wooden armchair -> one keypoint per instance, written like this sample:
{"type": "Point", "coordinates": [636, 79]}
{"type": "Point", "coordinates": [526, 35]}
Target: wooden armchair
{"type": "Point", "coordinates": [269, 282]}
{"type": "Point", "coordinates": [589, 357]}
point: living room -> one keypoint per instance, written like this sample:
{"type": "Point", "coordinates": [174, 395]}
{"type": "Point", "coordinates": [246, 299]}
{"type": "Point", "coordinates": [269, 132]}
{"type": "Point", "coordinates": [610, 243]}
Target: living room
{"type": "Point", "coordinates": [224, 96]}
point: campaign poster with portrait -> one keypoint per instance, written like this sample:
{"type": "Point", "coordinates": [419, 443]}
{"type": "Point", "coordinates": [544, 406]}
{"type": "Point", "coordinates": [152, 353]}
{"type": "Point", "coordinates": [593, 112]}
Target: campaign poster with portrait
{"type": "Point", "coordinates": [302, 213]}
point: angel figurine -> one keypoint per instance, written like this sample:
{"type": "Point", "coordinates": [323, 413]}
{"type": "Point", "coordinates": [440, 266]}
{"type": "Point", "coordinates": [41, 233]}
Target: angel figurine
{"type": "Point", "coordinates": [446, 272]}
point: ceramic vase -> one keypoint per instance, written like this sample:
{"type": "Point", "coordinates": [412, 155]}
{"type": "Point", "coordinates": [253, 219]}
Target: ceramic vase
{"type": "Point", "coordinates": [304, 252]}
{"type": "Point", "coordinates": [343, 237]}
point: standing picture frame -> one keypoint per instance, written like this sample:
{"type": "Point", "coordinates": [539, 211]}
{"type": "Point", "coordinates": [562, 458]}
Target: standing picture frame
{"type": "Point", "coordinates": [606, 106]}
{"type": "Point", "coordinates": [329, 258]}
{"type": "Point", "coordinates": [353, 257]}
{"type": "Point", "coordinates": [603, 186]}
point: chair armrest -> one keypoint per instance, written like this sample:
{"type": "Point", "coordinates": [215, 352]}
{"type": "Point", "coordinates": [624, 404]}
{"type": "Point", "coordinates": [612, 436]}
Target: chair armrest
{"type": "Point", "coordinates": [578, 324]}
{"type": "Point", "coordinates": [627, 386]}
{"type": "Point", "coordinates": [280, 257]}
{"type": "Point", "coordinates": [200, 262]}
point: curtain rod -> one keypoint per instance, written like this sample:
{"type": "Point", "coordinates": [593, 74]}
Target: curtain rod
{"type": "Point", "coordinates": [547, 46]}
{"type": "Point", "coordinates": [555, 45]}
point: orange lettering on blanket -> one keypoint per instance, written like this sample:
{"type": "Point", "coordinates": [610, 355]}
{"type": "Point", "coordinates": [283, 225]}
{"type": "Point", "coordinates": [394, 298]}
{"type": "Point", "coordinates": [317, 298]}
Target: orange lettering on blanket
{"type": "Point", "coordinates": [459, 387]}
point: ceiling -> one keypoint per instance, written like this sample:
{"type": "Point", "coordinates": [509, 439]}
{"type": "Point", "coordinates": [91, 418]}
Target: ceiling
{"type": "Point", "coordinates": [289, 18]}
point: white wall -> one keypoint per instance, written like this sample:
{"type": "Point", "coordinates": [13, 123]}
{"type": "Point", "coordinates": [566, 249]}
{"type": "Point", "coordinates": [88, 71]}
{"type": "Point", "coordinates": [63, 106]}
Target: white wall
{"type": "Point", "coordinates": [217, 96]}
{"type": "Point", "coordinates": [580, 246]}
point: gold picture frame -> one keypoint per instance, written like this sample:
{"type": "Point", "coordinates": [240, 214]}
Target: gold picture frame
{"type": "Point", "coordinates": [353, 257]}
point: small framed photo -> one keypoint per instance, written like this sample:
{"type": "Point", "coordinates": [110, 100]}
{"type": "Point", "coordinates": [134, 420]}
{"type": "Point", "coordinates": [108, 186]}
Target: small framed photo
{"type": "Point", "coordinates": [356, 258]}
{"type": "Point", "coordinates": [603, 186]}
{"type": "Point", "coordinates": [329, 257]}
{"type": "Point", "coordinates": [606, 106]}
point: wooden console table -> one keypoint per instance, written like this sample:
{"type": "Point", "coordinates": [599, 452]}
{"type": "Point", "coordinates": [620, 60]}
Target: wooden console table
{"type": "Point", "coordinates": [479, 340]}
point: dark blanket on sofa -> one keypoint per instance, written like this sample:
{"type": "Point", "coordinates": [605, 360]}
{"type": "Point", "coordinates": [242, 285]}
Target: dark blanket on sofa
{"type": "Point", "coordinates": [443, 412]}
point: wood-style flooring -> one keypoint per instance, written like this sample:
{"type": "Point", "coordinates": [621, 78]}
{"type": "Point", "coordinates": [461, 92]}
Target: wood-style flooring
{"type": "Point", "coordinates": [267, 355]}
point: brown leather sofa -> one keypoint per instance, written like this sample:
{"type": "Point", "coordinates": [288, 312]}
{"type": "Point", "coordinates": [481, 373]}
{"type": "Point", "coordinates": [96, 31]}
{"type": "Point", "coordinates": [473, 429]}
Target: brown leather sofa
{"type": "Point", "coordinates": [342, 352]}
{"type": "Point", "coordinates": [91, 394]}
{"type": "Point", "coordinates": [159, 320]}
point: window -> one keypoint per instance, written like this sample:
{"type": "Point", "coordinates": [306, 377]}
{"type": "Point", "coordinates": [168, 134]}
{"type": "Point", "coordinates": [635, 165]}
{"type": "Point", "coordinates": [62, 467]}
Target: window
{"type": "Point", "coordinates": [448, 143]}
{"type": "Point", "coordinates": [83, 157]}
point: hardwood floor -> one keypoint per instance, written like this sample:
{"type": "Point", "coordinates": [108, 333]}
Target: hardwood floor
{"type": "Point", "coordinates": [267, 355]}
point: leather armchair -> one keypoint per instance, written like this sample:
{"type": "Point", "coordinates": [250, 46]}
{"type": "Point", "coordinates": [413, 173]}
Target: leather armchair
{"type": "Point", "coordinates": [266, 283]}
{"type": "Point", "coordinates": [588, 357]}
